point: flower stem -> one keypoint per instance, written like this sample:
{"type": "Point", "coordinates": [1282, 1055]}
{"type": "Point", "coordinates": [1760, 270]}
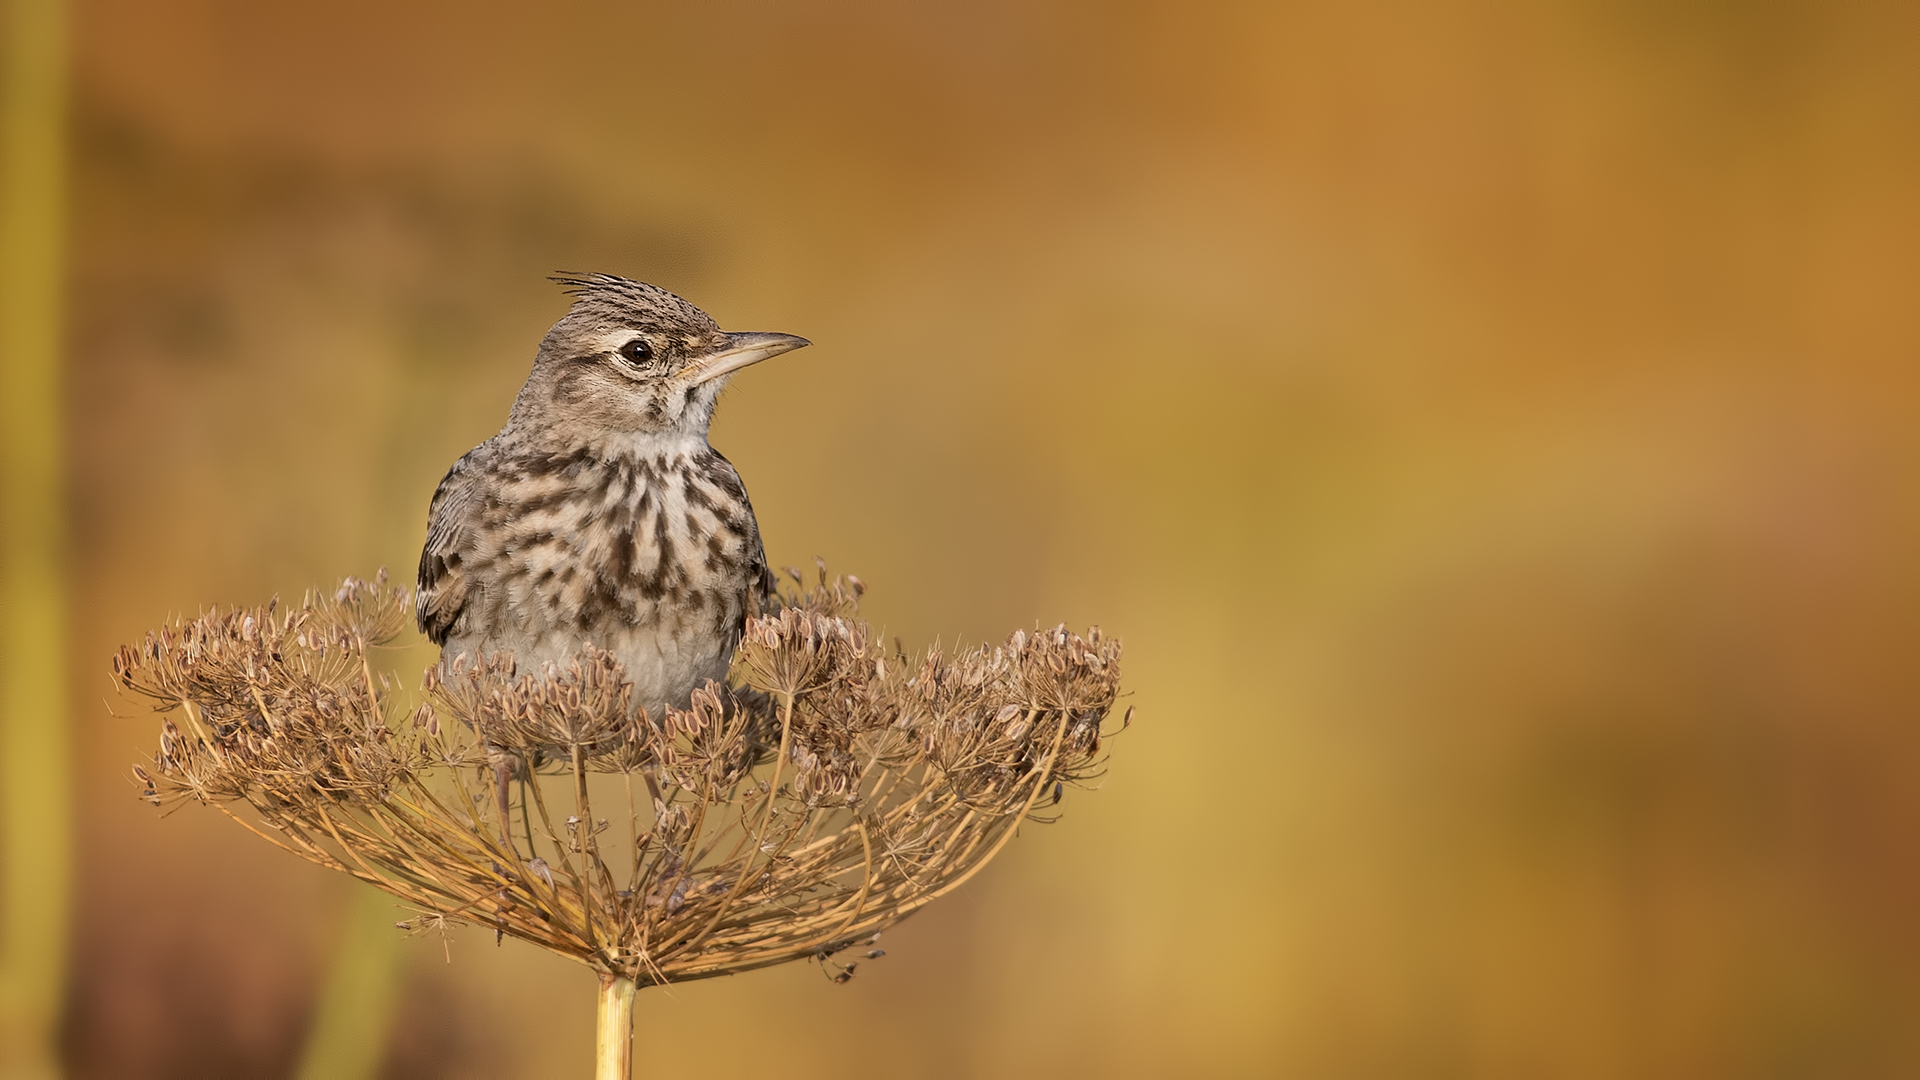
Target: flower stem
{"type": "Point", "coordinates": [613, 1037]}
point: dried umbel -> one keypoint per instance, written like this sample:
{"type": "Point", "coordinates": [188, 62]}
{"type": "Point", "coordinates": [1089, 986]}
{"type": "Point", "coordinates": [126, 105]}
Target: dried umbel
{"type": "Point", "coordinates": [830, 790]}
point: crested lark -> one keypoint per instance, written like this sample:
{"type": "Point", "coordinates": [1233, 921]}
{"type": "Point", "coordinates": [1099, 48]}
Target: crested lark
{"type": "Point", "coordinates": [599, 514]}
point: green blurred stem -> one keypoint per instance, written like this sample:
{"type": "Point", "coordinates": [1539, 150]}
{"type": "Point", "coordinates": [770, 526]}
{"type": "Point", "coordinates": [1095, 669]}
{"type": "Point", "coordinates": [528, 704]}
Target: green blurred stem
{"type": "Point", "coordinates": [348, 1040]}
{"type": "Point", "coordinates": [35, 815]}
{"type": "Point", "coordinates": [613, 1036]}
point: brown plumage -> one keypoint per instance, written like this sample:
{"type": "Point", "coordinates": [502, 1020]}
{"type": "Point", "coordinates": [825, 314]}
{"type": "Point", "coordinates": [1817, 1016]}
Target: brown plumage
{"type": "Point", "coordinates": [599, 514]}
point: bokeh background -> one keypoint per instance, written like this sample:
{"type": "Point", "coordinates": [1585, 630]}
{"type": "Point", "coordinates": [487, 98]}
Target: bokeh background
{"type": "Point", "coordinates": [1491, 426]}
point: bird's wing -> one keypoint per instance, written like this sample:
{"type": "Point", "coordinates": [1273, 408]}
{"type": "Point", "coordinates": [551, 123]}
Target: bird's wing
{"type": "Point", "coordinates": [761, 583]}
{"type": "Point", "coordinates": [440, 593]}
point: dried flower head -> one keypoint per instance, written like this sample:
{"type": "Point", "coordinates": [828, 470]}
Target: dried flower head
{"type": "Point", "coordinates": [830, 790]}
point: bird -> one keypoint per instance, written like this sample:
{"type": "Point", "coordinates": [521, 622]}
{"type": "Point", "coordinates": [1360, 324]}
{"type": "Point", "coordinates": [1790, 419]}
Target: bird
{"type": "Point", "coordinates": [599, 513]}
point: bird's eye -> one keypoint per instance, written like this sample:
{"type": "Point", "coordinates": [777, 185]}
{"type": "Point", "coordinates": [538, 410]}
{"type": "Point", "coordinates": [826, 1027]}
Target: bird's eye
{"type": "Point", "coordinates": [637, 350]}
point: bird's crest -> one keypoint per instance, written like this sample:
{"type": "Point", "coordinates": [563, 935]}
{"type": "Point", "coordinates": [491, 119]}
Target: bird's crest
{"type": "Point", "coordinates": [610, 295]}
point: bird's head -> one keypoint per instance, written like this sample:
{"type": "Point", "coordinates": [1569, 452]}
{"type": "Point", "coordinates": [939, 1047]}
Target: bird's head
{"type": "Point", "coordinates": [634, 359]}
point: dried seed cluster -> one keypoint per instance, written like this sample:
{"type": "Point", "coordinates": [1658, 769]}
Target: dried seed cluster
{"type": "Point", "coordinates": [831, 789]}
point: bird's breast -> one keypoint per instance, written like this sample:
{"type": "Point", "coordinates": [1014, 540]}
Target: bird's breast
{"type": "Point", "coordinates": [652, 558]}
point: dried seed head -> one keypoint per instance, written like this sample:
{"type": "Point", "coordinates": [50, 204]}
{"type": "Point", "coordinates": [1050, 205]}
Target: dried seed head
{"type": "Point", "coordinates": [827, 790]}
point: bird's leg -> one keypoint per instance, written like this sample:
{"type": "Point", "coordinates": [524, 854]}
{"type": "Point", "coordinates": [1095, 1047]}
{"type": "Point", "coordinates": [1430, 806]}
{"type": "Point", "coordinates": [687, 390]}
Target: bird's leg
{"type": "Point", "coordinates": [502, 762]}
{"type": "Point", "coordinates": [502, 773]}
{"type": "Point", "coordinates": [526, 814]}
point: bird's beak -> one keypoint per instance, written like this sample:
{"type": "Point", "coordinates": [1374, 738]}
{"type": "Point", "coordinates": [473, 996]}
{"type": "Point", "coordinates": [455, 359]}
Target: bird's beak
{"type": "Point", "coordinates": [742, 350]}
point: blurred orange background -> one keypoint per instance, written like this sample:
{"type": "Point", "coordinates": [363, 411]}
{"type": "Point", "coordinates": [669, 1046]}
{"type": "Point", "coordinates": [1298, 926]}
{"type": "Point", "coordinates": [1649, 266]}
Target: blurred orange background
{"type": "Point", "coordinates": [1491, 427]}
